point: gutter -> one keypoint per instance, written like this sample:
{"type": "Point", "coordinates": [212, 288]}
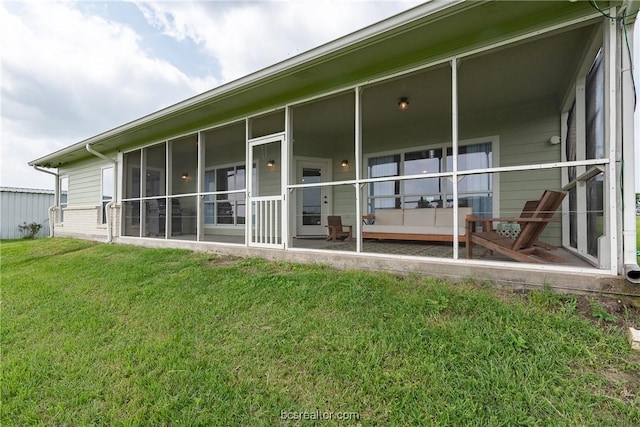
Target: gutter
{"type": "Point", "coordinates": [628, 89]}
{"type": "Point", "coordinates": [52, 209]}
{"type": "Point", "coordinates": [109, 205]}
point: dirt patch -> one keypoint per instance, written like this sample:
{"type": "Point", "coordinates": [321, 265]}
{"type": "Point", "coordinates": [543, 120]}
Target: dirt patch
{"type": "Point", "coordinates": [223, 260]}
{"type": "Point", "coordinates": [604, 310]}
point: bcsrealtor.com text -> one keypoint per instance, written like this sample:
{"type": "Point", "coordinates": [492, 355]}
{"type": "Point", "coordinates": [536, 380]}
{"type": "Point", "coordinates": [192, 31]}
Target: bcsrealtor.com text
{"type": "Point", "coordinates": [319, 415]}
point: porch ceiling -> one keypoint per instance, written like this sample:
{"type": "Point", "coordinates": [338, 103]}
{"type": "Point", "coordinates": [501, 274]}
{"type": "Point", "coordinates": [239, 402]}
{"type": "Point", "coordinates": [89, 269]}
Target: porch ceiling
{"type": "Point", "coordinates": [423, 34]}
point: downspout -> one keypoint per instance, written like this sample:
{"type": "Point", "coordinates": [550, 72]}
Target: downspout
{"type": "Point", "coordinates": [631, 268]}
{"type": "Point", "coordinates": [51, 210]}
{"type": "Point", "coordinates": [110, 204]}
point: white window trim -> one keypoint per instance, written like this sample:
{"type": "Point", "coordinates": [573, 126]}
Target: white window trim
{"type": "Point", "coordinates": [61, 208]}
{"type": "Point", "coordinates": [102, 200]}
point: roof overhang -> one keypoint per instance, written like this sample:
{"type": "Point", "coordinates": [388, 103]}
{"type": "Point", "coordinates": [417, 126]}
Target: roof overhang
{"type": "Point", "coordinates": [424, 34]}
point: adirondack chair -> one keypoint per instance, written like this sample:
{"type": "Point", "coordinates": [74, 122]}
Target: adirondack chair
{"type": "Point", "coordinates": [526, 247]}
{"type": "Point", "coordinates": [336, 229]}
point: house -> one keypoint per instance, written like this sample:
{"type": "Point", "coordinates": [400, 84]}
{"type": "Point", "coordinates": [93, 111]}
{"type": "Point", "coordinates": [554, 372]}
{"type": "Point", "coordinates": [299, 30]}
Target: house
{"type": "Point", "coordinates": [24, 205]}
{"type": "Point", "coordinates": [448, 108]}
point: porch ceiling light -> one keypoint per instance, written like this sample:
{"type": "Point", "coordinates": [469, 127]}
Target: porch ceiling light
{"type": "Point", "coordinates": [403, 104]}
{"type": "Point", "coordinates": [185, 177]}
{"type": "Point", "coordinates": [345, 163]}
{"type": "Point", "coordinates": [271, 163]}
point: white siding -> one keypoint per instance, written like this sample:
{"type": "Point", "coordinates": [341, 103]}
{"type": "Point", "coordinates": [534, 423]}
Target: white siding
{"type": "Point", "coordinates": [19, 205]}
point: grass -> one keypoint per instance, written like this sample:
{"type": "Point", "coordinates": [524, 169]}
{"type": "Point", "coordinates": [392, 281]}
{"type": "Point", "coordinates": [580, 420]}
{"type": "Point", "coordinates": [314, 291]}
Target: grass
{"type": "Point", "coordinates": [108, 334]}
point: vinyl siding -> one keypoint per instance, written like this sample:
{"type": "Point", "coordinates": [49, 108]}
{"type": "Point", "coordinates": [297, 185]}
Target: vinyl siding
{"type": "Point", "coordinates": [85, 181]}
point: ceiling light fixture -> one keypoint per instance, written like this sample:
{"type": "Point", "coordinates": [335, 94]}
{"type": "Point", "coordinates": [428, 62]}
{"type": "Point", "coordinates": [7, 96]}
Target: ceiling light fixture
{"type": "Point", "coordinates": [403, 104]}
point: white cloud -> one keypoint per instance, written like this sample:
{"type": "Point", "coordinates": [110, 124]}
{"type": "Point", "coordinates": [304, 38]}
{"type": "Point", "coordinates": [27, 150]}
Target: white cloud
{"type": "Point", "coordinates": [68, 75]}
{"type": "Point", "coordinates": [68, 72]}
{"type": "Point", "coordinates": [248, 36]}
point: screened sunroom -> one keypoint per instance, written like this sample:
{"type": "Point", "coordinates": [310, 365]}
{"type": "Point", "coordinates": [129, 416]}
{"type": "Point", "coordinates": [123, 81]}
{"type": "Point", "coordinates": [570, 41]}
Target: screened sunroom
{"type": "Point", "coordinates": [459, 138]}
{"type": "Point", "coordinates": [480, 133]}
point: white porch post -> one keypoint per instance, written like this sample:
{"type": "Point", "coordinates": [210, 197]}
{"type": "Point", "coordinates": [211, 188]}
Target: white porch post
{"type": "Point", "coordinates": [248, 171]}
{"type": "Point", "coordinates": [628, 92]}
{"type": "Point", "coordinates": [284, 177]}
{"type": "Point", "coordinates": [200, 198]}
{"type": "Point", "coordinates": [358, 158]}
{"type": "Point", "coordinates": [454, 139]}
{"type": "Point", "coordinates": [611, 134]}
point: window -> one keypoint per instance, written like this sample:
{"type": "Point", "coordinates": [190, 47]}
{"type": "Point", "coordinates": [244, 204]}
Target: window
{"type": "Point", "coordinates": [227, 208]}
{"type": "Point", "coordinates": [108, 186]}
{"type": "Point", "coordinates": [475, 191]}
{"type": "Point", "coordinates": [63, 197]}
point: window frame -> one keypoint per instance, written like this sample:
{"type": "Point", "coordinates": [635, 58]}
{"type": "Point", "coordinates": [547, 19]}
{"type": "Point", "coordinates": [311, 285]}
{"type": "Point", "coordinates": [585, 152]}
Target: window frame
{"type": "Point", "coordinates": [214, 194]}
{"type": "Point", "coordinates": [62, 205]}
{"type": "Point", "coordinates": [443, 175]}
{"type": "Point", "coordinates": [102, 219]}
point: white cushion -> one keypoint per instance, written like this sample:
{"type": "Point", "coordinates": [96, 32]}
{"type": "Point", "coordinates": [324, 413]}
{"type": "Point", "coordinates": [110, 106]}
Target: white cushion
{"type": "Point", "coordinates": [388, 217]}
{"type": "Point", "coordinates": [399, 229]}
{"type": "Point", "coordinates": [419, 217]}
{"type": "Point", "coordinates": [444, 216]}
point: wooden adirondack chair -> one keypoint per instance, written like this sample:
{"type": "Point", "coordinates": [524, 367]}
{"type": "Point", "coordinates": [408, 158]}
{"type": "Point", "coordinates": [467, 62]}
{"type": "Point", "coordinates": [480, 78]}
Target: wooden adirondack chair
{"type": "Point", "coordinates": [526, 247]}
{"type": "Point", "coordinates": [336, 229]}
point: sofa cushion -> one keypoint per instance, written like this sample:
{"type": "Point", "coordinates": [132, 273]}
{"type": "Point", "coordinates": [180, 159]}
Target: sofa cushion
{"type": "Point", "coordinates": [388, 217]}
{"type": "Point", "coordinates": [444, 217]}
{"type": "Point", "coordinates": [399, 229]}
{"type": "Point", "coordinates": [419, 217]}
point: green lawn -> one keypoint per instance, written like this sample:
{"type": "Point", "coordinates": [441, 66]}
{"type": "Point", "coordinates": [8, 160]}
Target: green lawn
{"type": "Point", "coordinates": [96, 334]}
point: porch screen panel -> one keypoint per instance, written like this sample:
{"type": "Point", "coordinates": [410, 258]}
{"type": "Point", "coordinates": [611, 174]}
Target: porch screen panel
{"type": "Point", "coordinates": [422, 193]}
{"type": "Point", "coordinates": [384, 194]}
{"type": "Point", "coordinates": [155, 170]}
{"type": "Point", "coordinates": [595, 150]}
{"type": "Point", "coordinates": [571, 147]}
{"type": "Point", "coordinates": [132, 175]}
{"type": "Point", "coordinates": [474, 191]}
{"type": "Point", "coordinates": [184, 165]}
{"type": "Point", "coordinates": [132, 190]}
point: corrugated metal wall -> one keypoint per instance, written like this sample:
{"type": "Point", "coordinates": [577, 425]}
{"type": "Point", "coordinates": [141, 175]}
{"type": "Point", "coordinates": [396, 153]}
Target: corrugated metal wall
{"type": "Point", "coordinates": [19, 205]}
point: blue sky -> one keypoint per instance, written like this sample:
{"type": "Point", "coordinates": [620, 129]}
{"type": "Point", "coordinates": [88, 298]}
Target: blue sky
{"type": "Point", "coordinates": [73, 69]}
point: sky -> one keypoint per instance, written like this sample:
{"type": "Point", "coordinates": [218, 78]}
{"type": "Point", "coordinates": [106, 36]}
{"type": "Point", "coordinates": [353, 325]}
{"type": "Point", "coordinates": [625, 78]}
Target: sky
{"type": "Point", "coordinates": [73, 69]}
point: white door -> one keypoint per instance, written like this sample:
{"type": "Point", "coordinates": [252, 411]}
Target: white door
{"type": "Point", "coordinates": [313, 204]}
{"type": "Point", "coordinates": [265, 219]}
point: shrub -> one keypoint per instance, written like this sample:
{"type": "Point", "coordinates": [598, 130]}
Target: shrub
{"type": "Point", "coordinates": [30, 230]}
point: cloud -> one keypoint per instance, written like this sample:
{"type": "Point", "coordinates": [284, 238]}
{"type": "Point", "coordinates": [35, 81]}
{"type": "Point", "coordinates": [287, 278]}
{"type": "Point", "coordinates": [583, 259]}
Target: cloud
{"type": "Point", "coordinates": [71, 70]}
{"type": "Point", "coordinates": [248, 36]}
{"type": "Point", "coordinates": [68, 75]}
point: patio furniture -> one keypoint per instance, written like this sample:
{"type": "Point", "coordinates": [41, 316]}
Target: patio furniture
{"type": "Point", "coordinates": [336, 229]}
{"type": "Point", "coordinates": [423, 224]}
{"type": "Point", "coordinates": [525, 247]}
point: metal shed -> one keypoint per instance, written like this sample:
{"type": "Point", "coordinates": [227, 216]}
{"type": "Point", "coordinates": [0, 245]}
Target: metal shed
{"type": "Point", "coordinates": [19, 205]}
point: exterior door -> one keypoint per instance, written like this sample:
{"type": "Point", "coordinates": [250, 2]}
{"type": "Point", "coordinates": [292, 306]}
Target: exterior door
{"type": "Point", "coordinates": [265, 207]}
{"type": "Point", "coordinates": [313, 204]}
